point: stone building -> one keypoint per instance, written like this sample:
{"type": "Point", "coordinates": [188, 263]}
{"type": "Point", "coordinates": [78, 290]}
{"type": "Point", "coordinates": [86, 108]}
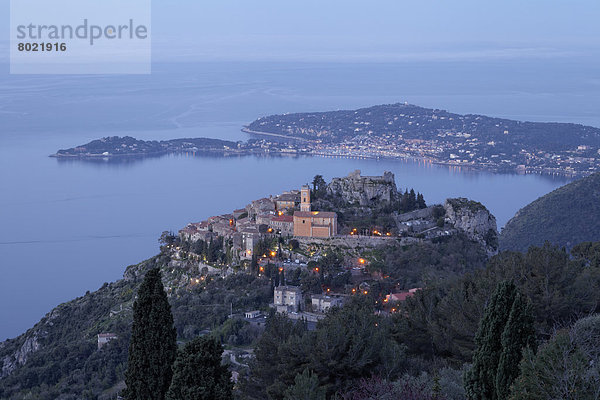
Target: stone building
{"type": "Point", "coordinates": [260, 206]}
{"type": "Point", "coordinates": [283, 224]}
{"type": "Point", "coordinates": [287, 200]}
{"type": "Point", "coordinates": [322, 303]}
{"type": "Point", "coordinates": [287, 299]}
{"type": "Point", "coordinates": [318, 224]}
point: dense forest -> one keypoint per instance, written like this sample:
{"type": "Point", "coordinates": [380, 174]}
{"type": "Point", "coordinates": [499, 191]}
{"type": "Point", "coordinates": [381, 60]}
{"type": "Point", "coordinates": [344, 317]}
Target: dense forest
{"type": "Point", "coordinates": [565, 216]}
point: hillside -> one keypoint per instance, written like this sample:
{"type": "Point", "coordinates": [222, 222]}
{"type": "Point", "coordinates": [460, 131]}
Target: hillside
{"type": "Point", "coordinates": [59, 358]}
{"type": "Point", "coordinates": [566, 216]}
{"type": "Point", "coordinates": [416, 122]}
{"type": "Point", "coordinates": [478, 141]}
{"type": "Point", "coordinates": [210, 287]}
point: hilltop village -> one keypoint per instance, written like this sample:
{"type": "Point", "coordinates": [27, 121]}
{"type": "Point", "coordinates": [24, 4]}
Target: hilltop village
{"type": "Point", "coordinates": [332, 231]}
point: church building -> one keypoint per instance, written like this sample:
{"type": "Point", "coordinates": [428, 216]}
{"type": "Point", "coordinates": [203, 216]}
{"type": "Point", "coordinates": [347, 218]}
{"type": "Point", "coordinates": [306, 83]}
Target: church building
{"type": "Point", "coordinates": [317, 224]}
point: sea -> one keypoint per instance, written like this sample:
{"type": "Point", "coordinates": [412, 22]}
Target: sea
{"type": "Point", "coordinates": [67, 227]}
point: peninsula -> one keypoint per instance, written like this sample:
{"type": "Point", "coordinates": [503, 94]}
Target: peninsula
{"type": "Point", "coordinates": [475, 141]}
{"type": "Point", "coordinates": [395, 131]}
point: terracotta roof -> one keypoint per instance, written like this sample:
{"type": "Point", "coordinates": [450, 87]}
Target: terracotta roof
{"type": "Point", "coordinates": [317, 214]}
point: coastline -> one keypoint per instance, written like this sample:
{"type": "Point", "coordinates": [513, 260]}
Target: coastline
{"type": "Point", "coordinates": [472, 167]}
{"type": "Point", "coordinates": [309, 150]}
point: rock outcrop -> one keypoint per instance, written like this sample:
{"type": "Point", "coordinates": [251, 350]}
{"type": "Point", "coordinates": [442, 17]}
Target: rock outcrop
{"type": "Point", "coordinates": [475, 220]}
{"type": "Point", "coordinates": [364, 190]}
{"type": "Point", "coordinates": [10, 363]}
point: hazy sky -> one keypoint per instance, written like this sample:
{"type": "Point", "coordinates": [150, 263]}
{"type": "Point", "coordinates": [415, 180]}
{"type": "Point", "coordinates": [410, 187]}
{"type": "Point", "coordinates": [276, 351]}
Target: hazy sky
{"type": "Point", "coordinates": [376, 30]}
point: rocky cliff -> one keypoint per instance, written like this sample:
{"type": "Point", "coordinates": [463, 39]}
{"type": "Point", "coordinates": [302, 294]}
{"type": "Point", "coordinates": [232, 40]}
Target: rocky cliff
{"type": "Point", "coordinates": [364, 190]}
{"type": "Point", "coordinates": [475, 220]}
{"type": "Point", "coordinates": [20, 356]}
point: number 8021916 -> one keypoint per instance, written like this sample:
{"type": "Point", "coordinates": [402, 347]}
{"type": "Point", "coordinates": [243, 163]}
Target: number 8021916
{"type": "Point", "coordinates": [59, 47]}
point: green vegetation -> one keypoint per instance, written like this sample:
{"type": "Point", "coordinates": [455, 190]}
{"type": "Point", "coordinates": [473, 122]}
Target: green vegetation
{"type": "Point", "coordinates": [427, 262]}
{"type": "Point", "coordinates": [469, 310]}
{"type": "Point", "coordinates": [464, 203]}
{"type": "Point", "coordinates": [442, 319]}
{"type": "Point", "coordinates": [153, 346]}
{"type": "Point", "coordinates": [504, 331]}
{"type": "Point", "coordinates": [565, 217]}
{"type": "Point", "coordinates": [565, 367]}
{"type": "Point", "coordinates": [319, 189]}
{"type": "Point", "coordinates": [306, 387]}
{"type": "Point", "coordinates": [68, 361]}
{"type": "Point", "coordinates": [433, 335]}
{"type": "Point", "coordinates": [349, 344]}
{"type": "Point", "coordinates": [518, 335]}
{"type": "Point", "coordinates": [198, 373]}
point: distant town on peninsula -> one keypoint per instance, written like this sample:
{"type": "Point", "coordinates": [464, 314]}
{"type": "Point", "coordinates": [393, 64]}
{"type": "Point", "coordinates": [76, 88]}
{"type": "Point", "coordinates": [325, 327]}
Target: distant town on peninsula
{"type": "Point", "coordinates": [396, 131]}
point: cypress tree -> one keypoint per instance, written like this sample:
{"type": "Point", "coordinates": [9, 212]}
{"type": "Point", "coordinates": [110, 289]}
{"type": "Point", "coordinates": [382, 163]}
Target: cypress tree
{"type": "Point", "coordinates": [153, 346]}
{"type": "Point", "coordinates": [421, 201]}
{"type": "Point", "coordinates": [412, 200]}
{"type": "Point", "coordinates": [518, 334]}
{"type": "Point", "coordinates": [480, 380]}
{"type": "Point", "coordinates": [198, 373]}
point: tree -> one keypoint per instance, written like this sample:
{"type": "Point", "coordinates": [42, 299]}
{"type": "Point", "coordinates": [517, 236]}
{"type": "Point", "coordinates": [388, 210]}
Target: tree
{"type": "Point", "coordinates": [557, 371]}
{"type": "Point", "coordinates": [565, 367]}
{"type": "Point", "coordinates": [167, 238]}
{"type": "Point", "coordinates": [351, 343]}
{"type": "Point", "coordinates": [268, 365]}
{"type": "Point", "coordinates": [306, 387]}
{"type": "Point", "coordinates": [421, 201]}
{"type": "Point", "coordinates": [319, 186]}
{"type": "Point", "coordinates": [412, 199]}
{"type": "Point", "coordinates": [518, 334]}
{"type": "Point", "coordinates": [480, 380]}
{"type": "Point", "coordinates": [153, 346]}
{"type": "Point", "coordinates": [198, 373]}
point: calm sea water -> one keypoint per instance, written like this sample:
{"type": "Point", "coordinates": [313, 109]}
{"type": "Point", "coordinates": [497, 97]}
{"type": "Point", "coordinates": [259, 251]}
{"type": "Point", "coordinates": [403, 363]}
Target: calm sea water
{"type": "Point", "coordinates": [67, 227]}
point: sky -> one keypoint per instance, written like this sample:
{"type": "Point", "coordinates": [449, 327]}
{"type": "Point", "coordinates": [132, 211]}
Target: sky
{"type": "Point", "coordinates": [377, 30]}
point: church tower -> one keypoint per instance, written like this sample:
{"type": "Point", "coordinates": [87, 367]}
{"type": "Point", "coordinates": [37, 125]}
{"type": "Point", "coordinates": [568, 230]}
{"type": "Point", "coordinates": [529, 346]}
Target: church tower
{"type": "Point", "coordinates": [305, 198]}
